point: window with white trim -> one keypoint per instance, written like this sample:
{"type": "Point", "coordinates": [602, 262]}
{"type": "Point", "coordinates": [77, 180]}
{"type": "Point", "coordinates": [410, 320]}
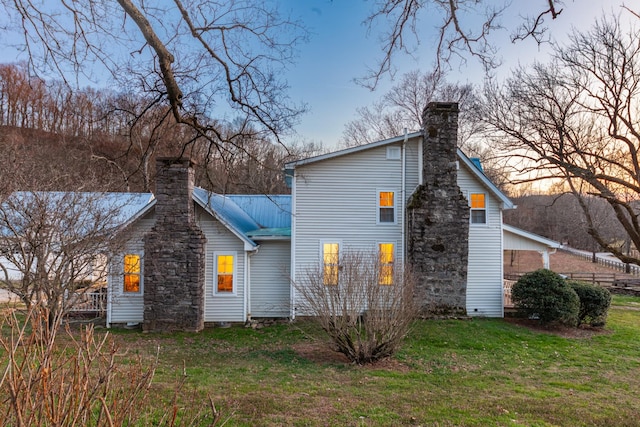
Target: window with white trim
{"type": "Point", "coordinates": [330, 263]}
{"type": "Point", "coordinates": [225, 268]}
{"type": "Point", "coordinates": [478, 204]}
{"type": "Point", "coordinates": [132, 278]}
{"type": "Point", "coordinates": [386, 207]}
{"type": "Point", "coordinates": [393, 153]}
{"type": "Point", "coordinates": [386, 254]}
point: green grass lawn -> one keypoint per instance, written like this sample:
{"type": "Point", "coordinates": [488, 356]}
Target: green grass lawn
{"type": "Point", "coordinates": [481, 372]}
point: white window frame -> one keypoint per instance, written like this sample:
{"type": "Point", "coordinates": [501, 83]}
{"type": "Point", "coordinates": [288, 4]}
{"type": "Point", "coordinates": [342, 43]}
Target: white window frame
{"type": "Point", "coordinates": [234, 275]}
{"type": "Point", "coordinates": [121, 264]}
{"type": "Point", "coordinates": [322, 264]}
{"type": "Point", "coordinates": [395, 206]}
{"type": "Point", "coordinates": [394, 153]}
{"type": "Point", "coordinates": [485, 209]}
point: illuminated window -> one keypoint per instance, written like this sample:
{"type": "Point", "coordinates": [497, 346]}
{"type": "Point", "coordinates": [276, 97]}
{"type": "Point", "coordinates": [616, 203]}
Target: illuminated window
{"type": "Point", "coordinates": [386, 207]}
{"type": "Point", "coordinates": [225, 268]}
{"type": "Point", "coordinates": [330, 259]}
{"type": "Point", "coordinates": [386, 253]}
{"type": "Point", "coordinates": [478, 208]}
{"type": "Point", "coordinates": [132, 276]}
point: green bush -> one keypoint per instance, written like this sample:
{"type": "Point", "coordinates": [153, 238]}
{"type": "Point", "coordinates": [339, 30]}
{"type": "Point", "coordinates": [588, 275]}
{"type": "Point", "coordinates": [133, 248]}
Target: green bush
{"type": "Point", "coordinates": [545, 295]}
{"type": "Point", "coordinates": [594, 303]}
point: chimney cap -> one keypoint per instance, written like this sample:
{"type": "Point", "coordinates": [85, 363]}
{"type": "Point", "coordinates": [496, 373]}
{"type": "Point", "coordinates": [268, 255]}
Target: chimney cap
{"type": "Point", "coordinates": [442, 106]}
{"type": "Point", "coordinates": [175, 161]}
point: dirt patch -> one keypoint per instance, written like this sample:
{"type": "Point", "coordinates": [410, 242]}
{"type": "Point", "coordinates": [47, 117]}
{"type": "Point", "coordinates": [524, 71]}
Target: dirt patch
{"type": "Point", "coordinates": [319, 352]}
{"type": "Point", "coordinates": [584, 331]}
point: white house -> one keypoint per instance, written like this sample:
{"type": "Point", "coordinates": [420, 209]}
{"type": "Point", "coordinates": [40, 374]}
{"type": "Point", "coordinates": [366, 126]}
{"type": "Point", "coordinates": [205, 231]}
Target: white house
{"type": "Point", "coordinates": [193, 257]}
{"type": "Point", "coordinates": [357, 199]}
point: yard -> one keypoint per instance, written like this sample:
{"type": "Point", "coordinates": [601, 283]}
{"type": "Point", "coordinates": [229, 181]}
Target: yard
{"type": "Point", "coordinates": [449, 373]}
{"type": "Point", "coordinates": [475, 372]}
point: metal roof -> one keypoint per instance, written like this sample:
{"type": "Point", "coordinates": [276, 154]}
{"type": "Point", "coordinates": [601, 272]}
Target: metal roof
{"type": "Point", "coordinates": [125, 206]}
{"type": "Point", "coordinates": [250, 217]}
{"type": "Point", "coordinates": [269, 211]}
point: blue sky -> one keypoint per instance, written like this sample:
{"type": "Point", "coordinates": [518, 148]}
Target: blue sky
{"type": "Point", "coordinates": [340, 50]}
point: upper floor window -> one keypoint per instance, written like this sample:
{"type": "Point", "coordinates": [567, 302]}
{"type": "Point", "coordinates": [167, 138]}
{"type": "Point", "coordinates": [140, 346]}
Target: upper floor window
{"type": "Point", "coordinates": [386, 254]}
{"type": "Point", "coordinates": [393, 153]}
{"type": "Point", "coordinates": [478, 208]}
{"type": "Point", "coordinates": [330, 260]}
{"type": "Point", "coordinates": [132, 273]}
{"type": "Point", "coordinates": [225, 269]}
{"type": "Point", "coordinates": [386, 207]}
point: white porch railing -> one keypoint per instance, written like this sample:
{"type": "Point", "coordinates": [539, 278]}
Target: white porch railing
{"type": "Point", "coordinates": [506, 291]}
{"type": "Point", "coordinates": [94, 301]}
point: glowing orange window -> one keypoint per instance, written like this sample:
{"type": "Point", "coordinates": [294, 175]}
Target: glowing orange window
{"type": "Point", "coordinates": [386, 254]}
{"type": "Point", "coordinates": [386, 206]}
{"type": "Point", "coordinates": [478, 208]}
{"type": "Point", "coordinates": [225, 273]}
{"type": "Point", "coordinates": [330, 259]}
{"type": "Point", "coordinates": [131, 273]}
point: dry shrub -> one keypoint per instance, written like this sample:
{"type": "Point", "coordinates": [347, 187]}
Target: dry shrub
{"type": "Point", "coordinates": [86, 382]}
{"type": "Point", "coordinates": [364, 319]}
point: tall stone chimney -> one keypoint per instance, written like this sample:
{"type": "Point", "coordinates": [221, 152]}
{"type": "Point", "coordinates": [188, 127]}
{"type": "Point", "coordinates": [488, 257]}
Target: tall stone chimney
{"type": "Point", "coordinates": [174, 254]}
{"type": "Point", "coordinates": [438, 218]}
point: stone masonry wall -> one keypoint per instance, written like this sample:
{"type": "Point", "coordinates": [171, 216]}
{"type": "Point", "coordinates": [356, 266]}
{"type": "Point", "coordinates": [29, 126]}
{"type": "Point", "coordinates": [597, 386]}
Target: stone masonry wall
{"type": "Point", "coordinates": [438, 218]}
{"type": "Point", "coordinates": [174, 254]}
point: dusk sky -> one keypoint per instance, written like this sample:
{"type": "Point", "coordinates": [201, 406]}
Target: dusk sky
{"type": "Point", "coordinates": [340, 49]}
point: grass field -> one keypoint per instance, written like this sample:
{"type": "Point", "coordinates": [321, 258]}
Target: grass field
{"type": "Point", "coordinates": [449, 373]}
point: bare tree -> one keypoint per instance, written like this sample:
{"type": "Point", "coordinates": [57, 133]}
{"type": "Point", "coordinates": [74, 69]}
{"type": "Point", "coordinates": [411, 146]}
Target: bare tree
{"type": "Point", "coordinates": [54, 245]}
{"type": "Point", "coordinates": [362, 301]}
{"type": "Point", "coordinates": [575, 120]}
{"type": "Point", "coordinates": [196, 58]}
{"type": "Point", "coordinates": [457, 37]}
{"type": "Point", "coordinates": [401, 108]}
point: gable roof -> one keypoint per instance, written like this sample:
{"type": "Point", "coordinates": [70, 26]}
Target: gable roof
{"type": "Point", "coordinates": [473, 166]}
{"type": "Point", "coordinates": [127, 207]}
{"type": "Point", "coordinates": [249, 217]}
{"type": "Point", "coordinates": [518, 239]}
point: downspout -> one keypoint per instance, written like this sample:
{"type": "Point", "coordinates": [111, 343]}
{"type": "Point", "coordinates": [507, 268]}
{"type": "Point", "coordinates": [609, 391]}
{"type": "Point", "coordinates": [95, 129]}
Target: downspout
{"type": "Point", "coordinates": [403, 193]}
{"type": "Point", "coordinates": [110, 286]}
{"type": "Point", "coordinates": [247, 281]}
{"type": "Point", "coordinates": [420, 161]}
{"type": "Point", "coordinates": [292, 252]}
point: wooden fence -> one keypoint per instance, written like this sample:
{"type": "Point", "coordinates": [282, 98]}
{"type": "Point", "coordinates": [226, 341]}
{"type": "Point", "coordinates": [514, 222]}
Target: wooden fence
{"type": "Point", "coordinates": [610, 263]}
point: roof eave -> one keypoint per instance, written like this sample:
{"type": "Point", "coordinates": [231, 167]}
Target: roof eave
{"type": "Point", "coordinates": [394, 140]}
{"type": "Point", "coordinates": [249, 244]}
{"type": "Point", "coordinates": [506, 202]}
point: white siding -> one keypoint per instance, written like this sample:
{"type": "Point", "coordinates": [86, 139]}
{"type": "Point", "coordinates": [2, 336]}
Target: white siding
{"type": "Point", "coordinates": [127, 308]}
{"type": "Point", "coordinates": [219, 308]}
{"type": "Point", "coordinates": [484, 274]}
{"type": "Point", "coordinates": [336, 200]}
{"type": "Point", "coordinates": [270, 280]}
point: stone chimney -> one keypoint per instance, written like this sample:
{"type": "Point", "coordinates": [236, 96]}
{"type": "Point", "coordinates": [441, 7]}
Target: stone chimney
{"type": "Point", "coordinates": [174, 254]}
{"type": "Point", "coordinates": [438, 218]}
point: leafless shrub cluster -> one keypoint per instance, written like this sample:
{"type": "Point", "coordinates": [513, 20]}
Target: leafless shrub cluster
{"type": "Point", "coordinates": [87, 382]}
{"type": "Point", "coordinates": [367, 312]}
{"type": "Point", "coordinates": [53, 245]}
